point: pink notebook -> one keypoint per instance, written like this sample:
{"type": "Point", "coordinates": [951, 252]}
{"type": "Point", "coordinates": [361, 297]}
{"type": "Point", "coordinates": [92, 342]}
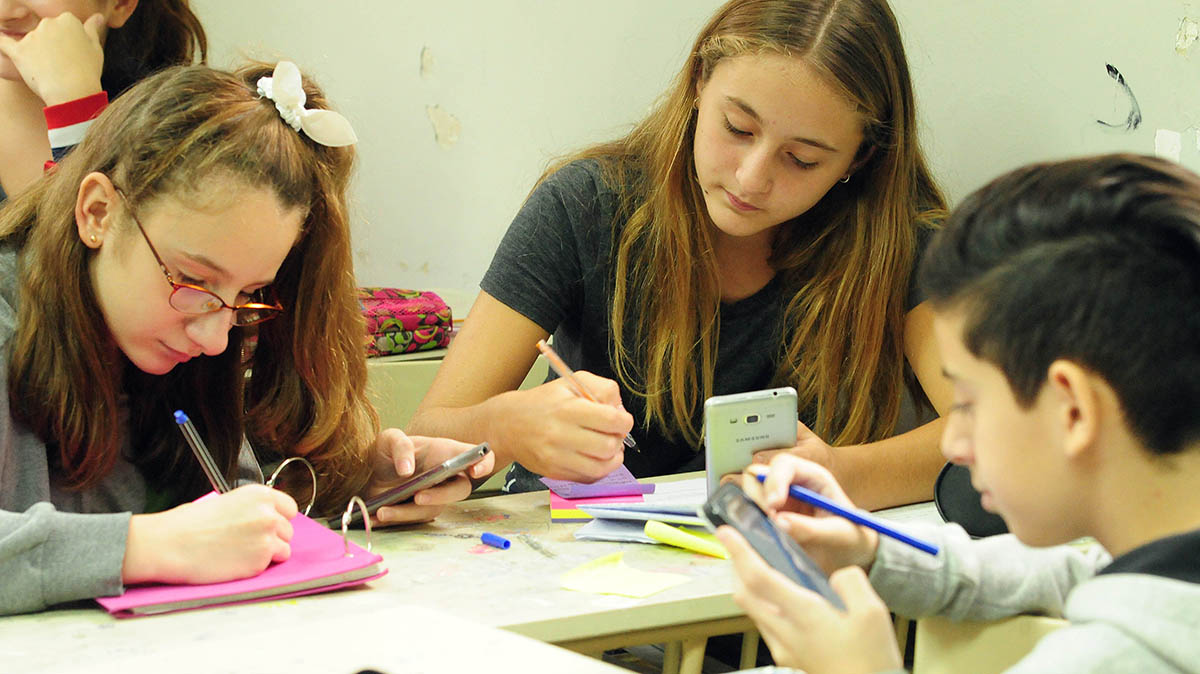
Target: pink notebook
{"type": "Point", "coordinates": [319, 563]}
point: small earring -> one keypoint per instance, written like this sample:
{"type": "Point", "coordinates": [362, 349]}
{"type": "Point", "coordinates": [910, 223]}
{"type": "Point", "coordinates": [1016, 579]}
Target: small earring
{"type": "Point", "coordinates": [846, 179]}
{"type": "Point", "coordinates": [92, 238]}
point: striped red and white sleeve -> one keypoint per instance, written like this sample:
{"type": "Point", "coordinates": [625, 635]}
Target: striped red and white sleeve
{"type": "Point", "coordinates": [67, 122]}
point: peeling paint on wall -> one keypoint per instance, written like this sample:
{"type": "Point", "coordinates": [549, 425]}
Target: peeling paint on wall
{"type": "Point", "coordinates": [1189, 32]}
{"type": "Point", "coordinates": [426, 63]}
{"type": "Point", "coordinates": [1168, 144]}
{"type": "Point", "coordinates": [446, 127]}
{"type": "Point", "coordinates": [1135, 111]}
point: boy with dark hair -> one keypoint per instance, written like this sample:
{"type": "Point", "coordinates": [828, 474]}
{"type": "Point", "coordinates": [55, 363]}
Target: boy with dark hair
{"type": "Point", "coordinates": [1067, 300]}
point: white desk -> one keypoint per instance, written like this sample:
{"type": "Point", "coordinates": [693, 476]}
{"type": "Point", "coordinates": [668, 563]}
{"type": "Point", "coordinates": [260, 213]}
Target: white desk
{"type": "Point", "coordinates": [439, 566]}
{"type": "Point", "coordinates": [287, 637]}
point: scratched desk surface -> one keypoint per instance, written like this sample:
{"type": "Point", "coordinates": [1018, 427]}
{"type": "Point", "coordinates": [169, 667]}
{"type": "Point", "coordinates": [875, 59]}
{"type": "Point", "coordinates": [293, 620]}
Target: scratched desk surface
{"type": "Point", "coordinates": [441, 566]}
{"type": "Point", "coordinates": [445, 564]}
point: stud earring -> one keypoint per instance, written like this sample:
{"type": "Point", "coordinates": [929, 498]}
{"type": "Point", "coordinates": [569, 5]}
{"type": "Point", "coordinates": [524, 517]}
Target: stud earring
{"type": "Point", "coordinates": [92, 238]}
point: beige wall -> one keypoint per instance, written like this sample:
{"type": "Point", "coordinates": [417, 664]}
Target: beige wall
{"type": "Point", "coordinates": [1000, 83]}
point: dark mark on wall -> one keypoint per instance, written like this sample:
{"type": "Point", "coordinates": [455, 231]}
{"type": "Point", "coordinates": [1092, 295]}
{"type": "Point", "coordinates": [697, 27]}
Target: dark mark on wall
{"type": "Point", "coordinates": [1135, 111]}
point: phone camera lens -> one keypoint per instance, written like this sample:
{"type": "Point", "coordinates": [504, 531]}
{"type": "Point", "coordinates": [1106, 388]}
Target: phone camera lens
{"type": "Point", "coordinates": [752, 419]}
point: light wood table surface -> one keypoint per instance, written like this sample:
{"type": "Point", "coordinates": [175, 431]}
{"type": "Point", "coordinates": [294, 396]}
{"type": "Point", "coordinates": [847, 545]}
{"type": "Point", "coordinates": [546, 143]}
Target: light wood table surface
{"type": "Point", "coordinates": [442, 567]}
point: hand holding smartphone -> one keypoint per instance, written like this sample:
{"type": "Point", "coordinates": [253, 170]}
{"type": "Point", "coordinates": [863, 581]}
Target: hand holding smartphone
{"type": "Point", "coordinates": [434, 476]}
{"type": "Point", "coordinates": [730, 505]}
{"type": "Point", "coordinates": [738, 425]}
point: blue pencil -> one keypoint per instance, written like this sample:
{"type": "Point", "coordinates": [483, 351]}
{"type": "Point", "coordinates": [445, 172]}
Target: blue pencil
{"type": "Point", "coordinates": [814, 499]}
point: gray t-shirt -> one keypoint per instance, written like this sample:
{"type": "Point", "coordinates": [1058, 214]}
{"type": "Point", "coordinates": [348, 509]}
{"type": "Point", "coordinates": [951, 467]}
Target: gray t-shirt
{"type": "Point", "coordinates": [554, 266]}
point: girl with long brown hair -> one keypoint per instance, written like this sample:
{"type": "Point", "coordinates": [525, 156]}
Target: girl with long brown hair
{"type": "Point", "coordinates": [758, 228]}
{"type": "Point", "coordinates": [61, 61]}
{"type": "Point", "coordinates": [202, 208]}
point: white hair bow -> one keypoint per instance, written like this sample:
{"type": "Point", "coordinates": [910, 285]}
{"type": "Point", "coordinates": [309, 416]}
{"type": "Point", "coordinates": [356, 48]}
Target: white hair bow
{"type": "Point", "coordinates": [324, 126]}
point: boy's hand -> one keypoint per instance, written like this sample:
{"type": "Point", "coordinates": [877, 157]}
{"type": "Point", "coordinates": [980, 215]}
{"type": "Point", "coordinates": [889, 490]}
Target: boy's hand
{"type": "Point", "coordinates": [803, 630]}
{"type": "Point", "coordinates": [832, 541]}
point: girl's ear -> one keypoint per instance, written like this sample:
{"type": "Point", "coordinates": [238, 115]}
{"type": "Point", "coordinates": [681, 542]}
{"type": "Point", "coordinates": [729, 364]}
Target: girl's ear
{"type": "Point", "coordinates": [95, 205]}
{"type": "Point", "coordinates": [120, 13]}
{"type": "Point", "coordinates": [864, 155]}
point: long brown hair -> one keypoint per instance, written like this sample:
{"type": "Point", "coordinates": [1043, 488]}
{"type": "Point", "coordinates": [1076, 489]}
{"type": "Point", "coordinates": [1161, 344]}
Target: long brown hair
{"type": "Point", "coordinates": [158, 34]}
{"type": "Point", "coordinates": [845, 264]}
{"type": "Point", "coordinates": [304, 393]}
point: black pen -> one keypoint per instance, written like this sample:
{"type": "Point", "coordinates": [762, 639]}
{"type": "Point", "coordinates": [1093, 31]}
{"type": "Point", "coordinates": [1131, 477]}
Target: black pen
{"type": "Point", "coordinates": [202, 454]}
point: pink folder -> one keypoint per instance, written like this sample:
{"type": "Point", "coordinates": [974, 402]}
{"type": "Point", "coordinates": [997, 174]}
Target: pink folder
{"type": "Point", "coordinates": [319, 563]}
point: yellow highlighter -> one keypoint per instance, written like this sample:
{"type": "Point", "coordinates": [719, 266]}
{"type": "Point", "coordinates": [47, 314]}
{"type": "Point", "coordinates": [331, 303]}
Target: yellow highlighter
{"type": "Point", "coordinates": [704, 543]}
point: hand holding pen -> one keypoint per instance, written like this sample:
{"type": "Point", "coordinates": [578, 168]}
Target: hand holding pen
{"type": "Point", "coordinates": [218, 537]}
{"type": "Point", "coordinates": [560, 367]}
{"type": "Point", "coordinates": [834, 541]}
{"type": "Point", "coordinates": [806, 495]}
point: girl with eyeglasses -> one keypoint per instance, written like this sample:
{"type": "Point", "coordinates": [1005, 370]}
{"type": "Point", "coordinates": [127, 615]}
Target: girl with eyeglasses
{"type": "Point", "coordinates": [198, 211]}
{"type": "Point", "coordinates": [759, 228]}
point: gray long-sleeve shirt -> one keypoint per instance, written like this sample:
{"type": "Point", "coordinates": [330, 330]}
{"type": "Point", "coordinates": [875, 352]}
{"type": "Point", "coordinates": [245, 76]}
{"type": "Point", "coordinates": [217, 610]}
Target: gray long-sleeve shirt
{"type": "Point", "coordinates": [57, 545]}
{"type": "Point", "coordinates": [1133, 617]}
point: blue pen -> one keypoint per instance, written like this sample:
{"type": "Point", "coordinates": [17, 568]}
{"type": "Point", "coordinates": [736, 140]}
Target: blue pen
{"type": "Point", "coordinates": [814, 499]}
{"type": "Point", "coordinates": [205, 458]}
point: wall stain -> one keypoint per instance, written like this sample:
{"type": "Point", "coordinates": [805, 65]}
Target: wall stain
{"type": "Point", "coordinates": [1135, 111]}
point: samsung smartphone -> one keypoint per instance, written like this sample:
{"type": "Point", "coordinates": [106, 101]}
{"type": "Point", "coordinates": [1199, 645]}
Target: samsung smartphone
{"type": "Point", "coordinates": [738, 425]}
{"type": "Point", "coordinates": [730, 505]}
{"type": "Point", "coordinates": [436, 475]}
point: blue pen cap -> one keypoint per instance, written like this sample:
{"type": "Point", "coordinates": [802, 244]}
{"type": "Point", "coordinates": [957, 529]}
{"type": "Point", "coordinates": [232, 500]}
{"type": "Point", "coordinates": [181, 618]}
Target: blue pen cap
{"type": "Point", "coordinates": [496, 541]}
{"type": "Point", "coordinates": [180, 417]}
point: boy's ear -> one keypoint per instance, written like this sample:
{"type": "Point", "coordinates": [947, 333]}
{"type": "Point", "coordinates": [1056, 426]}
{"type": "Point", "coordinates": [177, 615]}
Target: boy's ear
{"type": "Point", "coordinates": [1077, 406]}
{"type": "Point", "coordinates": [95, 205]}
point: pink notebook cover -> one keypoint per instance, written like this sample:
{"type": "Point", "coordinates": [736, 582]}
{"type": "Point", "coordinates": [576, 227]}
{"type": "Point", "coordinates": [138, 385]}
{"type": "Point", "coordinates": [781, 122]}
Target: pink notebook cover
{"type": "Point", "coordinates": [318, 553]}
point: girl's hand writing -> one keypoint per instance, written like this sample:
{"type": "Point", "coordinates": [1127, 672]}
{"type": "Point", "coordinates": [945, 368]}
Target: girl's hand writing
{"type": "Point", "coordinates": [220, 538]}
{"type": "Point", "coordinates": [553, 432]}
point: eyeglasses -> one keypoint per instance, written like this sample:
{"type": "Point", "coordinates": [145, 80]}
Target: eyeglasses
{"type": "Point", "coordinates": [197, 301]}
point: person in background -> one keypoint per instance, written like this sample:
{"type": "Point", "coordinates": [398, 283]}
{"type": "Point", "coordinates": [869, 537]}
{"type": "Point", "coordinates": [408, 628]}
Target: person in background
{"type": "Point", "coordinates": [62, 60]}
{"type": "Point", "coordinates": [759, 228]}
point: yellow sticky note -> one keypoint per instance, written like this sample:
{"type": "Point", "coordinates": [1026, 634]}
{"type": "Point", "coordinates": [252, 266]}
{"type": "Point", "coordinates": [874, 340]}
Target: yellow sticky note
{"type": "Point", "coordinates": [610, 575]}
{"type": "Point", "coordinates": [704, 543]}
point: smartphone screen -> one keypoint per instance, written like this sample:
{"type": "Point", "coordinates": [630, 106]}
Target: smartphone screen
{"type": "Point", "coordinates": [429, 478]}
{"type": "Point", "coordinates": [730, 505]}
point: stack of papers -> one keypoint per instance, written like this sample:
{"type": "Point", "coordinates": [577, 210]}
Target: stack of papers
{"type": "Point", "coordinates": [567, 498]}
{"type": "Point", "coordinates": [667, 516]}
